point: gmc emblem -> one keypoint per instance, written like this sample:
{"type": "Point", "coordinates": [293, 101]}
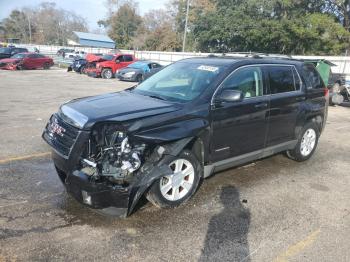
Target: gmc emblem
{"type": "Point", "coordinates": [57, 129]}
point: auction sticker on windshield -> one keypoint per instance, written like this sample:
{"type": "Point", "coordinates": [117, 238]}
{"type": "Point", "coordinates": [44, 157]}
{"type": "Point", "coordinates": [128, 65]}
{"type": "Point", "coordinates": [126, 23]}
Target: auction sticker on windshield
{"type": "Point", "coordinates": [208, 68]}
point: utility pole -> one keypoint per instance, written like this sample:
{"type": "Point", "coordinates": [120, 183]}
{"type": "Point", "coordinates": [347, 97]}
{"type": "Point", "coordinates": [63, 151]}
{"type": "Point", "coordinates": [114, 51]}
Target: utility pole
{"type": "Point", "coordinates": [186, 24]}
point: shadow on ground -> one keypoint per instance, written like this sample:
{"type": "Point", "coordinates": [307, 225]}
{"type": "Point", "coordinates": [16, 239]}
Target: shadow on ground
{"type": "Point", "coordinates": [227, 235]}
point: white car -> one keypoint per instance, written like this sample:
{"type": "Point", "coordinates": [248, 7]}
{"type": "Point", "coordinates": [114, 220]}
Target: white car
{"type": "Point", "coordinates": [75, 54]}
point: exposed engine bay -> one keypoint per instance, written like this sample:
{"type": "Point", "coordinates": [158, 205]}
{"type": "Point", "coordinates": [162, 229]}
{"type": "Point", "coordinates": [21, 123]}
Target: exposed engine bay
{"type": "Point", "coordinates": [110, 154]}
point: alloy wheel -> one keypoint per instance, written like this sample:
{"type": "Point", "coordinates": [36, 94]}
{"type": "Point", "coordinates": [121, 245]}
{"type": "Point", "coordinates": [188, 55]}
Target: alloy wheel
{"type": "Point", "coordinates": [177, 185]}
{"type": "Point", "coordinates": [308, 142]}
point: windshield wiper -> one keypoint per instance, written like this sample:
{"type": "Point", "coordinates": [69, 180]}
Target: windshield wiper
{"type": "Point", "coordinates": [157, 97]}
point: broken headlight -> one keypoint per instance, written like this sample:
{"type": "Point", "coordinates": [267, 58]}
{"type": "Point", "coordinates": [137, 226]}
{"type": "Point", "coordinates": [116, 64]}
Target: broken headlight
{"type": "Point", "coordinates": [111, 154]}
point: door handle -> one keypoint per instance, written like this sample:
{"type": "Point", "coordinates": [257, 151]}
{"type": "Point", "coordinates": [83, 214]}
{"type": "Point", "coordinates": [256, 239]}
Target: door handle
{"type": "Point", "coordinates": [261, 105]}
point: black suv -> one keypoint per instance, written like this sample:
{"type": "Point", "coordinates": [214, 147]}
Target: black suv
{"type": "Point", "coordinates": [190, 120]}
{"type": "Point", "coordinates": [7, 52]}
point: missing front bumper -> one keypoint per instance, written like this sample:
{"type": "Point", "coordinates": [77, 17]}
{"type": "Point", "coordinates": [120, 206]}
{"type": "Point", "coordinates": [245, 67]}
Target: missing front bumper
{"type": "Point", "coordinates": [106, 198]}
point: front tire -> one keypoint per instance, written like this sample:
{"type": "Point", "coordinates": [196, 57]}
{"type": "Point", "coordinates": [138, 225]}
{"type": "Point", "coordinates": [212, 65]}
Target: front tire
{"type": "Point", "coordinates": [107, 73]}
{"type": "Point", "coordinates": [307, 143]}
{"type": "Point", "coordinates": [173, 190]}
{"type": "Point", "coordinates": [46, 66]}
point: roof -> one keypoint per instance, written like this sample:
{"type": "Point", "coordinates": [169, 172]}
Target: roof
{"type": "Point", "coordinates": [94, 40]}
{"type": "Point", "coordinates": [93, 37]}
{"type": "Point", "coordinates": [229, 60]}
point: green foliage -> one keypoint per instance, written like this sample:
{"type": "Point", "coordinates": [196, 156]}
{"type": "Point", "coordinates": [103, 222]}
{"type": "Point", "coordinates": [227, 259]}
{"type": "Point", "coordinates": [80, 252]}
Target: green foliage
{"type": "Point", "coordinates": [279, 26]}
{"type": "Point", "coordinates": [124, 24]}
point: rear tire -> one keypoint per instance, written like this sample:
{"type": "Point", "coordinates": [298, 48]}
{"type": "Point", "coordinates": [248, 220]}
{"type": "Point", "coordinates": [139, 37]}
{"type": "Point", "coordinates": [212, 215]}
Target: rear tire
{"type": "Point", "coordinates": [172, 191]}
{"type": "Point", "coordinates": [307, 143]}
{"type": "Point", "coordinates": [107, 73]}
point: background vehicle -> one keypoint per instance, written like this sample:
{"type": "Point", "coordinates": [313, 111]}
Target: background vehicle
{"type": "Point", "coordinates": [7, 52]}
{"type": "Point", "coordinates": [109, 64]}
{"type": "Point", "coordinates": [26, 61]}
{"type": "Point", "coordinates": [75, 54]}
{"type": "Point", "coordinates": [63, 51]}
{"type": "Point", "coordinates": [78, 65]}
{"type": "Point", "coordinates": [193, 118]}
{"type": "Point", "coordinates": [138, 71]}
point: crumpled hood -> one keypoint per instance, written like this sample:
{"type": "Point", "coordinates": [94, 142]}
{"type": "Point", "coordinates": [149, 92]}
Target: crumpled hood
{"type": "Point", "coordinates": [118, 107]}
{"type": "Point", "coordinates": [9, 60]}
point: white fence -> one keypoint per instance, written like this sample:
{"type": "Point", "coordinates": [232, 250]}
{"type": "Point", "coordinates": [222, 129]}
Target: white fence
{"type": "Point", "coordinates": [342, 62]}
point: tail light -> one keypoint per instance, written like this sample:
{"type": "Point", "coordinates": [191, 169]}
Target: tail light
{"type": "Point", "coordinates": [326, 92]}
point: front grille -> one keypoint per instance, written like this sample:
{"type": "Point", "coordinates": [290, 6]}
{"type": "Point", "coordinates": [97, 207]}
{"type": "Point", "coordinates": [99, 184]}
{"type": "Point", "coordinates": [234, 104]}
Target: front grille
{"type": "Point", "coordinates": [60, 135]}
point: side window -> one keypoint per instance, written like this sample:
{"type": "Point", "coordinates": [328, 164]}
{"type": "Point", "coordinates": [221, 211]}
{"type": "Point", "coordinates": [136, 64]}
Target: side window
{"type": "Point", "coordinates": [248, 80]}
{"type": "Point", "coordinates": [32, 56]}
{"type": "Point", "coordinates": [298, 82]}
{"type": "Point", "coordinates": [128, 58]}
{"type": "Point", "coordinates": [120, 58]}
{"type": "Point", "coordinates": [312, 77]}
{"type": "Point", "coordinates": [281, 79]}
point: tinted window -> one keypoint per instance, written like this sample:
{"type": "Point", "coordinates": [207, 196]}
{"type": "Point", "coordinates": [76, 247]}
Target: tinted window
{"type": "Point", "coordinates": [108, 57]}
{"type": "Point", "coordinates": [247, 80]}
{"type": "Point", "coordinates": [32, 56]}
{"type": "Point", "coordinates": [19, 56]}
{"type": "Point", "coordinates": [5, 50]}
{"type": "Point", "coordinates": [128, 58]}
{"type": "Point", "coordinates": [312, 76]}
{"type": "Point", "coordinates": [281, 79]}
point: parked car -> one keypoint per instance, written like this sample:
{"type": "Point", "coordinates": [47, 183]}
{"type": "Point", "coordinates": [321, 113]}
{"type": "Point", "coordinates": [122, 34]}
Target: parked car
{"type": "Point", "coordinates": [63, 51]}
{"type": "Point", "coordinates": [193, 118]}
{"type": "Point", "coordinates": [26, 61]}
{"type": "Point", "coordinates": [138, 71]}
{"type": "Point", "coordinates": [75, 54]}
{"type": "Point", "coordinates": [7, 52]}
{"type": "Point", "coordinates": [78, 65]}
{"type": "Point", "coordinates": [109, 64]}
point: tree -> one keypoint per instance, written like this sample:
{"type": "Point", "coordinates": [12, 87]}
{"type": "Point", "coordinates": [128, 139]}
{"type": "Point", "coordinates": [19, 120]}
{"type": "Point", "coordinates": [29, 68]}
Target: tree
{"type": "Point", "coordinates": [290, 27]}
{"type": "Point", "coordinates": [123, 24]}
{"type": "Point", "coordinates": [44, 24]}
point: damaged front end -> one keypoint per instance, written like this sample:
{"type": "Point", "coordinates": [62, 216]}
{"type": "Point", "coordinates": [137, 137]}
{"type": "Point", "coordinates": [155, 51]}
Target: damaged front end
{"type": "Point", "coordinates": [111, 170]}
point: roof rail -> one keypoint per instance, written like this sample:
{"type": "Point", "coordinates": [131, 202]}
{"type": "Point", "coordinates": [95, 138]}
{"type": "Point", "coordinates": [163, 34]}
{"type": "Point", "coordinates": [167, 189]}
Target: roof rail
{"type": "Point", "coordinates": [258, 55]}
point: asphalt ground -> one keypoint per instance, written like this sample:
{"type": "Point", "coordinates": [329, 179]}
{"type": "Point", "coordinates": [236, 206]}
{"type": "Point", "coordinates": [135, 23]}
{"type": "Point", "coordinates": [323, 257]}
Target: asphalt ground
{"type": "Point", "coordinates": [274, 209]}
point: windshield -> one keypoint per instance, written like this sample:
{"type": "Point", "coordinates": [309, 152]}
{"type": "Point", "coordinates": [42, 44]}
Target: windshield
{"type": "Point", "coordinates": [5, 50]}
{"type": "Point", "coordinates": [19, 56]}
{"type": "Point", "coordinates": [108, 57]}
{"type": "Point", "coordinates": [138, 65]}
{"type": "Point", "coordinates": [180, 82]}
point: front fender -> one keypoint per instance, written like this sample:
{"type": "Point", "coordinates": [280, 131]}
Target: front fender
{"type": "Point", "coordinates": [173, 132]}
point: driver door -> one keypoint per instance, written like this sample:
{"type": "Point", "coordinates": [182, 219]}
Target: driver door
{"type": "Point", "coordinates": [240, 127]}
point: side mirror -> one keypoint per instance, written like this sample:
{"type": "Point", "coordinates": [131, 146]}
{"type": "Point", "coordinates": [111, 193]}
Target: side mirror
{"type": "Point", "coordinates": [117, 61]}
{"type": "Point", "coordinates": [230, 96]}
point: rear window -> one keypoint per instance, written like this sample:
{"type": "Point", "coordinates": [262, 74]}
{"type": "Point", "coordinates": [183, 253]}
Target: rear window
{"type": "Point", "coordinates": [281, 79]}
{"type": "Point", "coordinates": [312, 77]}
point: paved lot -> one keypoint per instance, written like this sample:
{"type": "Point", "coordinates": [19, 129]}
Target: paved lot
{"type": "Point", "coordinates": [271, 210]}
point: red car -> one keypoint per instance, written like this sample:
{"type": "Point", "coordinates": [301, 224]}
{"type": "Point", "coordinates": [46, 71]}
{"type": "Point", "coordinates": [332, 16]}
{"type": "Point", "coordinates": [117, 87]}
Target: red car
{"type": "Point", "coordinates": [107, 65]}
{"type": "Point", "coordinates": [26, 61]}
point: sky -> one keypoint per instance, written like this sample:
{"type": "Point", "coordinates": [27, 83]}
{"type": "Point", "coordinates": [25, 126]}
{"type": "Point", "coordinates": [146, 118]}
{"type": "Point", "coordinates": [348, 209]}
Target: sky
{"type": "Point", "coordinates": [91, 10]}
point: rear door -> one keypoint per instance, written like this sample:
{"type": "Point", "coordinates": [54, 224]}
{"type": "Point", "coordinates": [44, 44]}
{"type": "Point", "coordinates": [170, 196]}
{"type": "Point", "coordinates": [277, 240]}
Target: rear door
{"type": "Point", "coordinates": [285, 100]}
